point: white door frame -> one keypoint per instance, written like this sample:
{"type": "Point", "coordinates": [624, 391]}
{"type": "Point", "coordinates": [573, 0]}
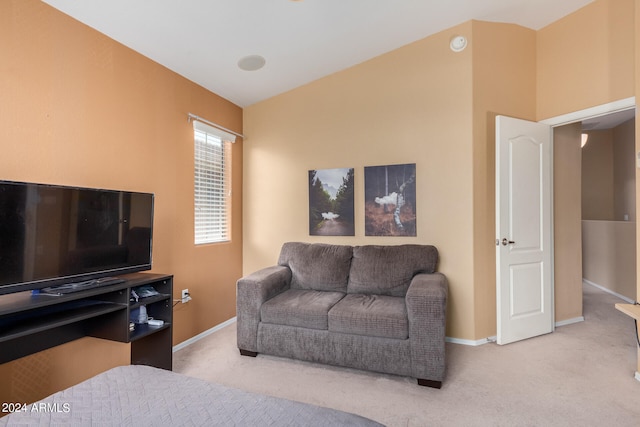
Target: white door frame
{"type": "Point", "coordinates": [565, 119]}
{"type": "Point", "coordinates": [590, 113]}
{"type": "Point", "coordinates": [578, 116]}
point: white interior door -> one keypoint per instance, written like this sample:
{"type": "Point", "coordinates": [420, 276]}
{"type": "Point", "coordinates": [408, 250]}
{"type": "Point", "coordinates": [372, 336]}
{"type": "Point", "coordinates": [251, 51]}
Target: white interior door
{"type": "Point", "coordinates": [524, 269]}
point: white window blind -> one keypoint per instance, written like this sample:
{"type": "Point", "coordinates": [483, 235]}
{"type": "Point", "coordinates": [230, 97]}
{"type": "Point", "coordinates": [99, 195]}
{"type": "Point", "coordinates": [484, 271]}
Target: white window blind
{"type": "Point", "coordinates": [212, 184]}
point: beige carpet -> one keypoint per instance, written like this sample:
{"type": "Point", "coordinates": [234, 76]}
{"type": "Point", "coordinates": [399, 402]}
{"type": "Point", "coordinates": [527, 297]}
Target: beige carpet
{"type": "Point", "coordinates": [580, 375]}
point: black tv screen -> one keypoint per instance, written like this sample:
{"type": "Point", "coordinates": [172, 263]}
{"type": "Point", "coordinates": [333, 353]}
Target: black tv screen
{"type": "Point", "coordinates": [51, 234]}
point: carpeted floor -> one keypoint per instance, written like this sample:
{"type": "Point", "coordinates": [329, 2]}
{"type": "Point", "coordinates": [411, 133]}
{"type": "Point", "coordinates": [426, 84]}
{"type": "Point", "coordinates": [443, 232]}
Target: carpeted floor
{"type": "Point", "coordinates": [580, 375]}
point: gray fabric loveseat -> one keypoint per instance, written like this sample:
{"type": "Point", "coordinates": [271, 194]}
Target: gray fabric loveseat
{"type": "Point", "coordinates": [378, 308]}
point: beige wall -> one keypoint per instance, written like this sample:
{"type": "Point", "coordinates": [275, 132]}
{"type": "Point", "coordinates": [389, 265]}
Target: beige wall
{"type": "Point", "coordinates": [504, 82]}
{"type": "Point", "coordinates": [77, 108]}
{"type": "Point", "coordinates": [288, 133]}
{"type": "Point", "coordinates": [410, 105]}
{"type": "Point", "coordinates": [624, 171]}
{"type": "Point", "coordinates": [586, 59]}
{"type": "Point", "coordinates": [597, 176]}
{"type": "Point", "coordinates": [609, 250]}
{"type": "Point", "coordinates": [608, 178]}
{"type": "Point", "coordinates": [567, 245]}
{"type": "Point", "coordinates": [426, 103]}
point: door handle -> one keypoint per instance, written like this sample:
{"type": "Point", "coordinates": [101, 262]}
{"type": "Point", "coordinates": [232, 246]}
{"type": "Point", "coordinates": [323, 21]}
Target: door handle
{"type": "Point", "coordinates": [506, 242]}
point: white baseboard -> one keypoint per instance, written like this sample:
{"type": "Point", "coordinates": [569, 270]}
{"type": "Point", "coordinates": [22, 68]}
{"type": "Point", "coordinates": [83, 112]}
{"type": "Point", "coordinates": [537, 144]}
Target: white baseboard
{"type": "Point", "coordinates": [473, 343]}
{"type": "Point", "coordinates": [201, 335]}
{"type": "Point", "coordinates": [570, 321]}
{"type": "Point", "coordinates": [609, 291]}
{"type": "Point", "coordinates": [492, 339]}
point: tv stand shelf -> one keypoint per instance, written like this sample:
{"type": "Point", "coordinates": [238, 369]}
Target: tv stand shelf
{"type": "Point", "coordinates": [31, 323]}
{"type": "Point", "coordinates": [20, 326]}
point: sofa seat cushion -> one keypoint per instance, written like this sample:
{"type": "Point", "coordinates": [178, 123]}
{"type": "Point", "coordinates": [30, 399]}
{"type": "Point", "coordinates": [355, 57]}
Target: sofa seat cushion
{"type": "Point", "coordinates": [370, 315]}
{"type": "Point", "coordinates": [300, 307]}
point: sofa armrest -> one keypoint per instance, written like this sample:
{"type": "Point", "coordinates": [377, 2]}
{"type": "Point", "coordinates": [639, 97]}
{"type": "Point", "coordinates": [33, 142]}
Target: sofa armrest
{"type": "Point", "coordinates": [251, 292]}
{"type": "Point", "coordinates": [426, 301]}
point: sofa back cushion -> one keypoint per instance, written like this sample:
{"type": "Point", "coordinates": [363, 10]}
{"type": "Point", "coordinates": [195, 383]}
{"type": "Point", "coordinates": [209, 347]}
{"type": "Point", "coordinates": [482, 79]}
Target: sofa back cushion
{"type": "Point", "coordinates": [317, 266]}
{"type": "Point", "coordinates": [388, 270]}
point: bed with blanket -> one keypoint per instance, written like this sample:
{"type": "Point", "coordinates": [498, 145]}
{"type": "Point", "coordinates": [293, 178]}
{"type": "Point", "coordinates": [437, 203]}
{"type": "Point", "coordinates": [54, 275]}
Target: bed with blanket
{"type": "Point", "coordinates": [145, 396]}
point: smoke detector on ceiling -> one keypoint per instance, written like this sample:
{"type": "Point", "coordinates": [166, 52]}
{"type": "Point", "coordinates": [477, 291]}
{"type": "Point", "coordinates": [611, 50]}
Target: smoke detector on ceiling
{"type": "Point", "coordinates": [458, 43]}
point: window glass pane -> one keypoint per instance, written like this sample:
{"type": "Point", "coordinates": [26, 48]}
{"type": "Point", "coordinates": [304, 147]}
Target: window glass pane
{"type": "Point", "coordinates": [212, 188]}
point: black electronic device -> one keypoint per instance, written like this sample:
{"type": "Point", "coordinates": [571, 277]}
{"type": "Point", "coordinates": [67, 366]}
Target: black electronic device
{"type": "Point", "coordinates": [53, 235]}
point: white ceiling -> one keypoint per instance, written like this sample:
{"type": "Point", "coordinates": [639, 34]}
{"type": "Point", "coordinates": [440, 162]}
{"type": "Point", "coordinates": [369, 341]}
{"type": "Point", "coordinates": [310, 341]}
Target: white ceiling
{"type": "Point", "coordinates": [302, 41]}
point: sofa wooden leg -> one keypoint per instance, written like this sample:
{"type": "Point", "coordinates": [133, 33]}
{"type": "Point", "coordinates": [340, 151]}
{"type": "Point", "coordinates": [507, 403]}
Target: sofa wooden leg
{"type": "Point", "coordinates": [429, 383]}
{"type": "Point", "coordinates": [248, 353]}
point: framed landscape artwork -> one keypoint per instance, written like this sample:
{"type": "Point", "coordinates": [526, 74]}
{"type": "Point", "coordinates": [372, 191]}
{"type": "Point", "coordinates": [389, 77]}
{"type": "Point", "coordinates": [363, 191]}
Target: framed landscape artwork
{"type": "Point", "coordinates": [331, 203]}
{"type": "Point", "coordinates": [390, 200]}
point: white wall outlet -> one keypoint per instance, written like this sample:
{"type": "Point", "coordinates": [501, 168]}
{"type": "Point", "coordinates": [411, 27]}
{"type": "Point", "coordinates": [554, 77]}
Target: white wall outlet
{"type": "Point", "coordinates": [185, 296]}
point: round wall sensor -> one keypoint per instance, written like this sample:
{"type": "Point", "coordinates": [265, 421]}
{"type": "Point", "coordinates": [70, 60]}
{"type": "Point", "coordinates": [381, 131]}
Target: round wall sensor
{"type": "Point", "coordinates": [251, 63]}
{"type": "Point", "coordinates": [458, 43]}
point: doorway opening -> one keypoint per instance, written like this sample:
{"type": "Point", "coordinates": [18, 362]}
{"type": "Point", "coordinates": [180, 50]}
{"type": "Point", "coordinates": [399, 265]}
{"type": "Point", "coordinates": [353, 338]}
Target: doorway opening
{"type": "Point", "coordinates": [601, 122]}
{"type": "Point", "coordinates": [609, 204]}
{"type": "Point", "coordinates": [565, 285]}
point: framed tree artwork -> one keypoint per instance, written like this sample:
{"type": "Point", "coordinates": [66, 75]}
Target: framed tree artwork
{"type": "Point", "coordinates": [331, 202]}
{"type": "Point", "coordinates": [390, 200]}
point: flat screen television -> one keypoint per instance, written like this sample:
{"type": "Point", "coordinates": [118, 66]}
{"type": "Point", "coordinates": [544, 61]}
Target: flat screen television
{"type": "Point", "coordinates": [52, 235]}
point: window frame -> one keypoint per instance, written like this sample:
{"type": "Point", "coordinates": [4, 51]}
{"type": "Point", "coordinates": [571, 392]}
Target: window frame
{"type": "Point", "coordinates": [212, 184]}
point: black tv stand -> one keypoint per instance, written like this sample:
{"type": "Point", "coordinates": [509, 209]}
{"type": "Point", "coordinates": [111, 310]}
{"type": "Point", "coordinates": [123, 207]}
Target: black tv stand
{"type": "Point", "coordinates": [31, 323]}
